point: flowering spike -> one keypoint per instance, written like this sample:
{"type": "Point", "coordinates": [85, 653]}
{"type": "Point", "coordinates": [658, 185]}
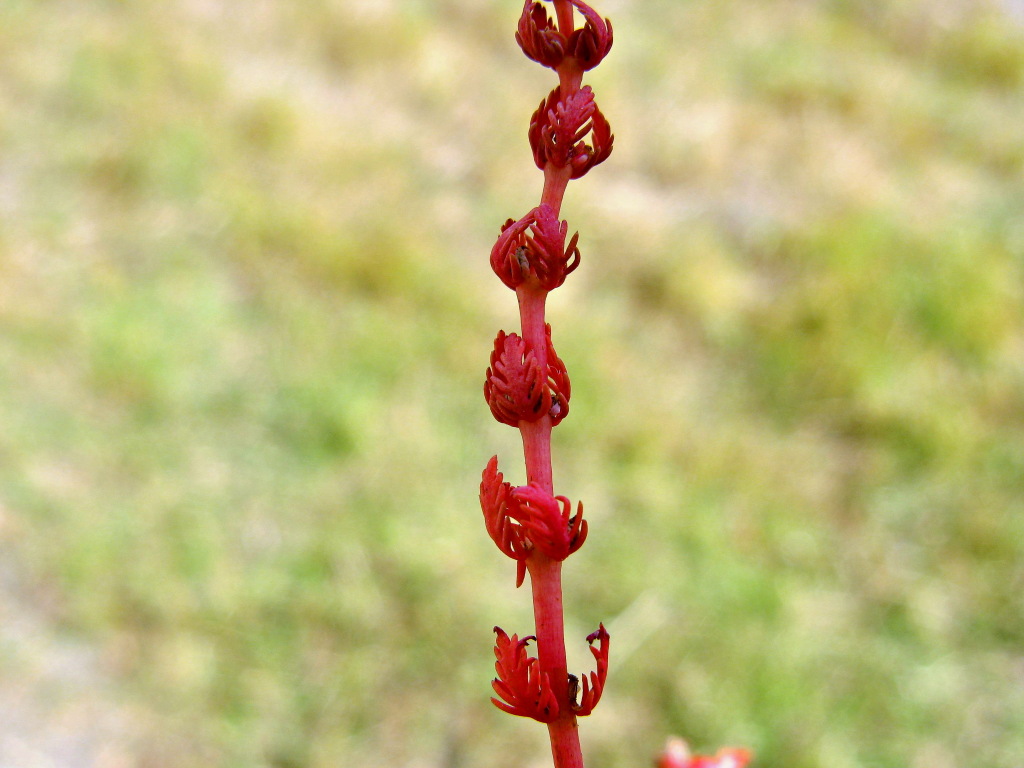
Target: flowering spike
{"type": "Point", "coordinates": [527, 385]}
{"type": "Point", "coordinates": [522, 688]}
{"type": "Point", "coordinates": [516, 388]}
{"type": "Point", "coordinates": [560, 125]}
{"type": "Point", "coordinates": [541, 40]}
{"type": "Point", "coordinates": [594, 686]}
{"type": "Point", "coordinates": [494, 501]}
{"type": "Point", "coordinates": [533, 248]}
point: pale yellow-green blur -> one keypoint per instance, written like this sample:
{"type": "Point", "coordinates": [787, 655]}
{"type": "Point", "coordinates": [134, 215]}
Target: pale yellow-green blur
{"type": "Point", "coordinates": [245, 311]}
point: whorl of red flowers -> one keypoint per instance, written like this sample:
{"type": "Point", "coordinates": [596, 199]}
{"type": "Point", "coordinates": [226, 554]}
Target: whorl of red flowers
{"type": "Point", "coordinates": [515, 387]}
{"type": "Point", "coordinates": [519, 519]}
{"type": "Point", "coordinates": [548, 521]}
{"type": "Point", "coordinates": [534, 248]}
{"type": "Point", "coordinates": [558, 129]}
{"type": "Point", "coordinates": [524, 690]}
{"type": "Point", "coordinates": [541, 41]}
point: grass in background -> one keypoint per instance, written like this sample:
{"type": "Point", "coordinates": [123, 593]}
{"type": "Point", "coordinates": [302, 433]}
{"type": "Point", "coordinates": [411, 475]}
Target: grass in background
{"type": "Point", "coordinates": [244, 302]}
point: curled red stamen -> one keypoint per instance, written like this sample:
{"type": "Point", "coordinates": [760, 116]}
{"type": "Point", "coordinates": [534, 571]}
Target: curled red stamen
{"type": "Point", "coordinates": [594, 686]}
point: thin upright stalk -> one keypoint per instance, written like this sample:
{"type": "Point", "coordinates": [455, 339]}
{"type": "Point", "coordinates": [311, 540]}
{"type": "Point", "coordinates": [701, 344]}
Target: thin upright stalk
{"type": "Point", "coordinates": [546, 580]}
{"type": "Point", "coordinates": [527, 385]}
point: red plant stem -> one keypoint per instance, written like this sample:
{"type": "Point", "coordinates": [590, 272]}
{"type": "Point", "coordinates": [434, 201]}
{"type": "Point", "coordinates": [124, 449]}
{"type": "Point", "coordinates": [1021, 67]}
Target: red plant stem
{"type": "Point", "coordinates": [569, 76]}
{"type": "Point", "coordinates": [569, 79]}
{"type": "Point", "coordinates": [563, 12]}
{"type": "Point", "coordinates": [537, 434]}
{"type": "Point", "coordinates": [546, 581]}
{"type": "Point", "coordinates": [555, 182]}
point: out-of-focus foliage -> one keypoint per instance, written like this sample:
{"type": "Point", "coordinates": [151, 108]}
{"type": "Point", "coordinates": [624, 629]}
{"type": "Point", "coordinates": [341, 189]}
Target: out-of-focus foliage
{"type": "Point", "coordinates": [245, 310]}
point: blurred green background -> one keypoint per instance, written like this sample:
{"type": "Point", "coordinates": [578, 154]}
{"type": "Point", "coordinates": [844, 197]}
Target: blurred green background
{"type": "Point", "coordinates": [245, 310]}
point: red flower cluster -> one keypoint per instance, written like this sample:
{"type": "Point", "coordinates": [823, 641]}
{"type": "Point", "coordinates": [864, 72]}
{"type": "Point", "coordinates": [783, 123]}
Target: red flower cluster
{"type": "Point", "coordinates": [521, 519]}
{"type": "Point", "coordinates": [548, 521]}
{"type": "Point", "coordinates": [527, 692]}
{"type": "Point", "coordinates": [541, 41]}
{"type": "Point", "coordinates": [534, 248]}
{"type": "Point", "coordinates": [516, 389]}
{"type": "Point", "coordinates": [559, 126]}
